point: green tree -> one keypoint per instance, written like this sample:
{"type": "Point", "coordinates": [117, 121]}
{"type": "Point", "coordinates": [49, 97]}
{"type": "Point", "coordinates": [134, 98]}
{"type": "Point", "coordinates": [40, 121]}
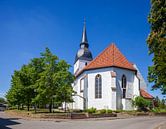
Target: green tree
{"type": "Point", "coordinates": [37, 65]}
{"type": "Point", "coordinates": [41, 81]}
{"type": "Point", "coordinates": [55, 80]}
{"type": "Point", "coordinates": [65, 79]}
{"type": "Point", "coordinates": [47, 85]}
{"type": "Point", "coordinates": [15, 94]}
{"type": "Point", "coordinates": [2, 100]}
{"type": "Point", "coordinates": [159, 103]}
{"type": "Point", "coordinates": [156, 101]}
{"type": "Point", "coordinates": [157, 44]}
{"type": "Point", "coordinates": [23, 84]}
{"type": "Point", "coordinates": [27, 81]}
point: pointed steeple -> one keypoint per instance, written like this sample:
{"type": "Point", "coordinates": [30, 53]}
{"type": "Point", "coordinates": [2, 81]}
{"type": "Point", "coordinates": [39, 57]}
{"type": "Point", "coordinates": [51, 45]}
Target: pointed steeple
{"type": "Point", "coordinates": [84, 52]}
{"type": "Point", "coordinates": [84, 41]}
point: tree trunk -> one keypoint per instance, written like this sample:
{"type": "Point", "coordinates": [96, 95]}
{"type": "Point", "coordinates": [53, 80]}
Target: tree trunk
{"type": "Point", "coordinates": [65, 102]}
{"type": "Point", "coordinates": [50, 107]}
{"type": "Point", "coordinates": [18, 107]}
{"type": "Point", "coordinates": [35, 107]}
{"type": "Point", "coordinates": [28, 105]}
{"type": "Point", "coordinates": [65, 106]}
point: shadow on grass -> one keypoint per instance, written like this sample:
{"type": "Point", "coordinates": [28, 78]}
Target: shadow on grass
{"type": "Point", "coordinates": [4, 122]}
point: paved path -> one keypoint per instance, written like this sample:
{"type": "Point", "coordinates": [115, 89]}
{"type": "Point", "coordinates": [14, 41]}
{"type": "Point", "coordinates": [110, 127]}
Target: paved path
{"type": "Point", "coordinates": [7, 122]}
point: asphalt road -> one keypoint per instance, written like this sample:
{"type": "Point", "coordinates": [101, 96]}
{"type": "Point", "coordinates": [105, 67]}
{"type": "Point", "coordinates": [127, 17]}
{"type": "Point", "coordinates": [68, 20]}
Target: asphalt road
{"type": "Point", "coordinates": [8, 122]}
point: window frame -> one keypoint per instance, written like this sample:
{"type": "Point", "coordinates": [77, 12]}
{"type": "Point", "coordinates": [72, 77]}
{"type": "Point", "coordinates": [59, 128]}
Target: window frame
{"type": "Point", "coordinates": [82, 86]}
{"type": "Point", "coordinates": [98, 86]}
{"type": "Point", "coordinates": [124, 85]}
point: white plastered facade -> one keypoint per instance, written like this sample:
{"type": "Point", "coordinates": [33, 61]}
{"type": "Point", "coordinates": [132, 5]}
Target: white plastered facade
{"type": "Point", "coordinates": [84, 86]}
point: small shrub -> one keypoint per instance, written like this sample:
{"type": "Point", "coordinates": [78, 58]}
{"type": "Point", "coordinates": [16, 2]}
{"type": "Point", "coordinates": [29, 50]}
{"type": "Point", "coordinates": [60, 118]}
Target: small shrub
{"type": "Point", "coordinates": [118, 111]}
{"type": "Point", "coordinates": [102, 111]}
{"type": "Point", "coordinates": [91, 110]}
{"type": "Point", "coordinates": [109, 111]}
{"type": "Point", "coordinates": [158, 110]}
{"type": "Point", "coordinates": [77, 111]}
{"type": "Point", "coordinates": [141, 103]}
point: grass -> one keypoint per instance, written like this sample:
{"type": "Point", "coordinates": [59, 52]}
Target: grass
{"type": "Point", "coordinates": [91, 110]}
{"type": "Point", "coordinates": [39, 111]}
{"type": "Point", "coordinates": [158, 110]}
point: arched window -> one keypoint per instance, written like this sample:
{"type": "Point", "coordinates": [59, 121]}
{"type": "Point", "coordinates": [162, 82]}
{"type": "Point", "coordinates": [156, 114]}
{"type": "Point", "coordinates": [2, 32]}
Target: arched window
{"type": "Point", "coordinates": [98, 86]}
{"type": "Point", "coordinates": [82, 85]}
{"type": "Point", "coordinates": [124, 86]}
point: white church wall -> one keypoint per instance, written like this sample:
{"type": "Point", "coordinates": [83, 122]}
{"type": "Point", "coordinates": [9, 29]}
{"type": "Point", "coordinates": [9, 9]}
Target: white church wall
{"type": "Point", "coordinates": [127, 104]}
{"type": "Point", "coordinates": [143, 84]}
{"type": "Point", "coordinates": [124, 103]}
{"type": "Point", "coordinates": [108, 100]}
{"type": "Point", "coordinates": [105, 101]}
{"type": "Point", "coordinates": [79, 65]}
{"type": "Point", "coordinates": [85, 93]}
{"type": "Point", "coordinates": [136, 87]}
{"type": "Point", "coordinates": [80, 92]}
{"type": "Point", "coordinates": [75, 98]}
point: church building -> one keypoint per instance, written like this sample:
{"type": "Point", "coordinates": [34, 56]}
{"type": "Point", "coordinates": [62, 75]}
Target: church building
{"type": "Point", "coordinates": [108, 81]}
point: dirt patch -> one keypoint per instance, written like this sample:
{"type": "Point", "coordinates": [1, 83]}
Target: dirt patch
{"type": "Point", "coordinates": [26, 115]}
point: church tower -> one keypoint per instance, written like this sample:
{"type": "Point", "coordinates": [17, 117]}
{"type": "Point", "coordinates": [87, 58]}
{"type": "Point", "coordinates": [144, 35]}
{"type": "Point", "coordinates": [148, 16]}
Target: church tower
{"type": "Point", "coordinates": [83, 56]}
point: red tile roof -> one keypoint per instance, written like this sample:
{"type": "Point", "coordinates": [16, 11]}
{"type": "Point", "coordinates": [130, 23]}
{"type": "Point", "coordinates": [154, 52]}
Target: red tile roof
{"type": "Point", "coordinates": [111, 56]}
{"type": "Point", "coordinates": [145, 94]}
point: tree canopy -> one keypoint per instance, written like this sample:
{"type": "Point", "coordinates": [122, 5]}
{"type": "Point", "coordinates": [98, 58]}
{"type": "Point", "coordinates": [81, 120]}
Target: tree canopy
{"type": "Point", "coordinates": [157, 44]}
{"type": "Point", "coordinates": [2, 100]}
{"type": "Point", "coordinates": [41, 81]}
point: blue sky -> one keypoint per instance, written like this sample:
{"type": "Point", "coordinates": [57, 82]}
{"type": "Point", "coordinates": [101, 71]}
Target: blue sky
{"type": "Point", "coordinates": [28, 26]}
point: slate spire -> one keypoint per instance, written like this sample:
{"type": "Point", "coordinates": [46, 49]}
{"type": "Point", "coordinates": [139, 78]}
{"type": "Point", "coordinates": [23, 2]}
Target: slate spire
{"type": "Point", "coordinates": [84, 41]}
{"type": "Point", "coordinates": [84, 52]}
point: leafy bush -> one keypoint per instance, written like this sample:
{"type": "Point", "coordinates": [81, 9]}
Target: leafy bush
{"type": "Point", "coordinates": [118, 111]}
{"type": "Point", "coordinates": [77, 111]}
{"type": "Point", "coordinates": [141, 103]}
{"type": "Point", "coordinates": [158, 110]}
{"type": "Point", "coordinates": [109, 111]}
{"type": "Point", "coordinates": [91, 110]}
{"type": "Point", "coordinates": [161, 104]}
{"type": "Point", "coordinates": [2, 100]}
{"type": "Point", "coordinates": [102, 111]}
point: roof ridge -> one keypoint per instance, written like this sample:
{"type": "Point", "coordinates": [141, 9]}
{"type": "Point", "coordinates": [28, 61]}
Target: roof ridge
{"type": "Point", "coordinates": [111, 56]}
{"type": "Point", "coordinates": [122, 54]}
{"type": "Point", "coordinates": [99, 54]}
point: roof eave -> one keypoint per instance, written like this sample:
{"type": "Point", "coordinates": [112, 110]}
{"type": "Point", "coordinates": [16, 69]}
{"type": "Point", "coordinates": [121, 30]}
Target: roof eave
{"type": "Point", "coordinates": [103, 67]}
